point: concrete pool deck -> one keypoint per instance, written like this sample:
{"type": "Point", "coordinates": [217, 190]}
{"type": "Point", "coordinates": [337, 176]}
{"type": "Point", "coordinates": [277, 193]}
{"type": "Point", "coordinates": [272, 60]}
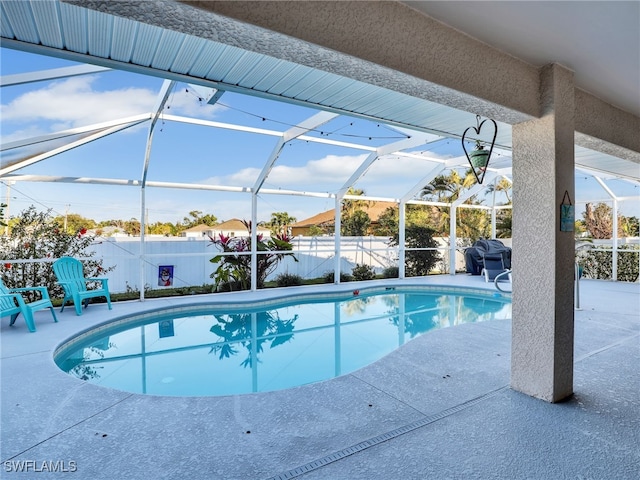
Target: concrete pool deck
{"type": "Point", "coordinates": [439, 407]}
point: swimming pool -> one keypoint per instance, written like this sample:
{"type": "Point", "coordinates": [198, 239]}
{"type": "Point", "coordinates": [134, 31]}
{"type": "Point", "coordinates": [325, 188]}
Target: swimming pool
{"type": "Point", "coordinates": [208, 350]}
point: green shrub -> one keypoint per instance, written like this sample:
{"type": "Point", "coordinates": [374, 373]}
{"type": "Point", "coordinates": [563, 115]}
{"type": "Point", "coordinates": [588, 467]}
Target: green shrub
{"type": "Point", "coordinates": [288, 280]}
{"type": "Point", "coordinates": [363, 272]}
{"type": "Point", "coordinates": [391, 272]}
{"type": "Point", "coordinates": [598, 263]}
{"type": "Point", "coordinates": [329, 277]}
{"type": "Point", "coordinates": [418, 262]}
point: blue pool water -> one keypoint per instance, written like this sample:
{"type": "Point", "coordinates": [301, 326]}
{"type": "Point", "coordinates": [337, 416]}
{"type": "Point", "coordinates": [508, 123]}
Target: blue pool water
{"type": "Point", "coordinates": [226, 350]}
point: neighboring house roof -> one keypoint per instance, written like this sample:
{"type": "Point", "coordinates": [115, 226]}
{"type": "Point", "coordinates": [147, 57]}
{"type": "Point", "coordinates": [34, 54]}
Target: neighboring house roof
{"type": "Point", "coordinates": [374, 209]}
{"type": "Point", "coordinates": [199, 228]}
{"type": "Point", "coordinates": [235, 225]}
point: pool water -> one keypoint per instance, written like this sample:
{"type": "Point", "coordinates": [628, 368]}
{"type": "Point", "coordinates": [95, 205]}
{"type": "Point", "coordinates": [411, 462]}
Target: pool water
{"type": "Point", "coordinates": [215, 350]}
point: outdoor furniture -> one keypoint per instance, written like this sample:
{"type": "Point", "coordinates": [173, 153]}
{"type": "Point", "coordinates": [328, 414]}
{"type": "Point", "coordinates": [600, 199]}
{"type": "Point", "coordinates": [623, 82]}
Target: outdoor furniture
{"type": "Point", "coordinates": [493, 266]}
{"type": "Point", "coordinates": [12, 303]}
{"type": "Point", "coordinates": [71, 277]}
{"type": "Point", "coordinates": [474, 255]}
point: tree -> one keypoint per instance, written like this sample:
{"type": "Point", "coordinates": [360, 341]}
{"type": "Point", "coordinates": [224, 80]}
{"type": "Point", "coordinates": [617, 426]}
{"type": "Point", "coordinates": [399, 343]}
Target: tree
{"type": "Point", "coordinates": [448, 188]}
{"type": "Point", "coordinates": [504, 219]}
{"type": "Point", "coordinates": [503, 215]}
{"type": "Point", "coordinates": [356, 224]}
{"type": "Point", "coordinates": [471, 223]}
{"type": "Point", "coordinates": [353, 219]}
{"type": "Point", "coordinates": [167, 229]}
{"type": "Point", "coordinates": [630, 226]}
{"type": "Point", "coordinates": [280, 222]}
{"type": "Point", "coordinates": [2, 207]}
{"type": "Point", "coordinates": [316, 231]}
{"type": "Point", "coordinates": [36, 236]}
{"type": "Point", "coordinates": [132, 227]}
{"type": "Point", "coordinates": [502, 186]}
{"type": "Point", "coordinates": [418, 262]}
{"type": "Point", "coordinates": [388, 221]}
{"type": "Point", "coordinates": [74, 222]}
{"type": "Point", "coordinates": [196, 217]}
{"type": "Point", "coordinates": [599, 220]}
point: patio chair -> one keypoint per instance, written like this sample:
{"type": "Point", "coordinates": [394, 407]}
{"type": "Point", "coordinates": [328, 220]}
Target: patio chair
{"type": "Point", "coordinates": [12, 303]}
{"type": "Point", "coordinates": [493, 266]}
{"type": "Point", "coordinates": [71, 276]}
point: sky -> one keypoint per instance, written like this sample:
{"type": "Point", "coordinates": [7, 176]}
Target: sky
{"type": "Point", "coordinates": [186, 153]}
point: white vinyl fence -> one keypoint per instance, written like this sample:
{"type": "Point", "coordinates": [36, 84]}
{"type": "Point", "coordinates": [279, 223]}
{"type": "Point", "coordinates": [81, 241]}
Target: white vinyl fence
{"type": "Point", "coordinates": [190, 265]}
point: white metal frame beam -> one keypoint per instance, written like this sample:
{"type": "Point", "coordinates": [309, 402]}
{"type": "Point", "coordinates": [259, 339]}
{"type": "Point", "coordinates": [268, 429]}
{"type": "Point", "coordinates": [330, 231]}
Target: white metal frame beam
{"type": "Point", "coordinates": [52, 74]}
{"type": "Point", "coordinates": [163, 96]}
{"type": "Point", "coordinates": [103, 133]}
{"type": "Point", "coordinates": [311, 123]}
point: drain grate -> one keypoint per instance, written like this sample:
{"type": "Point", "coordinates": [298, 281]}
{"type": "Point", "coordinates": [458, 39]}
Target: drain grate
{"type": "Point", "coordinates": [371, 442]}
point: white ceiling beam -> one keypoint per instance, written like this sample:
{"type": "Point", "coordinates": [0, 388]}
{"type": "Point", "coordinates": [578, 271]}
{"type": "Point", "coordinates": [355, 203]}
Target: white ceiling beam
{"type": "Point", "coordinates": [208, 95]}
{"type": "Point", "coordinates": [433, 173]}
{"type": "Point", "coordinates": [395, 147]}
{"type": "Point", "coordinates": [261, 131]}
{"type": "Point", "coordinates": [52, 74]}
{"type": "Point", "coordinates": [38, 158]}
{"type": "Point", "coordinates": [226, 126]}
{"type": "Point", "coordinates": [161, 101]}
{"type": "Point", "coordinates": [73, 131]}
{"type": "Point", "coordinates": [605, 187]}
{"type": "Point", "coordinates": [309, 124]}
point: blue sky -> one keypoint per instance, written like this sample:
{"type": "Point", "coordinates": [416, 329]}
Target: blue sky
{"type": "Point", "coordinates": [191, 153]}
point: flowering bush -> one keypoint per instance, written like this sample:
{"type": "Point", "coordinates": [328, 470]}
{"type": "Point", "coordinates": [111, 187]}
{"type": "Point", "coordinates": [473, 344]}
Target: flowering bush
{"type": "Point", "coordinates": [234, 271]}
{"type": "Point", "coordinates": [35, 237]}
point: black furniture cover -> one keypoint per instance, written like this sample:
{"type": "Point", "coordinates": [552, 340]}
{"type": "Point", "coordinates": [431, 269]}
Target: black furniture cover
{"type": "Point", "coordinates": [473, 256]}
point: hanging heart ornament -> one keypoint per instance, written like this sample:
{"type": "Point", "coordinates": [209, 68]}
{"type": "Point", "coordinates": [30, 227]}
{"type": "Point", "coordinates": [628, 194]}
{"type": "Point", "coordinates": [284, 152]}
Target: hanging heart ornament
{"type": "Point", "coordinates": [479, 158]}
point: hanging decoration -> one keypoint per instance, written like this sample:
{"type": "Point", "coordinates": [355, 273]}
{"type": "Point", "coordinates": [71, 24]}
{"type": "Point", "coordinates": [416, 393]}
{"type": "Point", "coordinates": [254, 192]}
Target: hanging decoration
{"type": "Point", "coordinates": [479, 157]}
{"type": "Point", "coordinates": [567, 214]}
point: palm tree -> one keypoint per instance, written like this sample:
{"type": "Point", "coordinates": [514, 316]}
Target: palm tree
{"type": "Point", "coordinates": [503, 186]}
{"type": "Point", "coordinates": [471, 223]}
{"type": "Point", "coordinates": [447, 188]}
{"type": "Point", "coordinates": [280, 221]}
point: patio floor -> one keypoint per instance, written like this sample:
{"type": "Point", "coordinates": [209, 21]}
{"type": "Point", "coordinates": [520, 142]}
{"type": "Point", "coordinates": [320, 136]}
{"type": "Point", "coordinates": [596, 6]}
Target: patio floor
{"type": "Point", "coordinates": [439, 407]}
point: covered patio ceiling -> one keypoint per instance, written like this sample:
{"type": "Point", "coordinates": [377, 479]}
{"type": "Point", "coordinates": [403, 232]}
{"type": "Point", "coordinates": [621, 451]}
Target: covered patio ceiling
{"type": "Point", "coordinates": [85, 35]}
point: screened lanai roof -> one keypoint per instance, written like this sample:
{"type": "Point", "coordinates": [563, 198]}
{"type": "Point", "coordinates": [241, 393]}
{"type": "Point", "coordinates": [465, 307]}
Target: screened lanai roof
{"type": "Point", "coordinates": [419, 132]}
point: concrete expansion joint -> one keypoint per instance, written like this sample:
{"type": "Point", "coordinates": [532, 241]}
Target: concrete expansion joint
{"type": "Point", "coordinates": [635, 337]}
{"type": "Point", "coordinates": [387, 394]}
{"type": "Point", "coordinates": [70, 427]}
{"type": "Point", "coordinates": [390, 435]}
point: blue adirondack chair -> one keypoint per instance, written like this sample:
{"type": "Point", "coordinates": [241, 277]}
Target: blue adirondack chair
{"type": "Point", "coordinates": [71, 276]}
{"type": "Point", "coordinates": [12, 303]}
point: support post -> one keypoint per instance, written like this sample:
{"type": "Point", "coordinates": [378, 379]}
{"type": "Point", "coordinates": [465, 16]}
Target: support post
{"type": "Point", "coordinates": [543, 261]}
{"type": "Point", "coordinates": [402, 238]}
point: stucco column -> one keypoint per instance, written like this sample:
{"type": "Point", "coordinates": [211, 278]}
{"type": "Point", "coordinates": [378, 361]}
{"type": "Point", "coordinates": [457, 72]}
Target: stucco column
{"type": "Point", "coordinates": [543, 256]}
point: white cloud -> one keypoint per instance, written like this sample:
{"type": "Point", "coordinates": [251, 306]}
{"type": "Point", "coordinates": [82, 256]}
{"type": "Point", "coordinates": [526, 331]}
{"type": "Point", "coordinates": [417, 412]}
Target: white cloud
{"type": "Point", "coordinates": [73, 102]}
{"type": "Point", "coordinates": [330, 172]}
{"type": "Point", "coordinates": [331, 169]}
